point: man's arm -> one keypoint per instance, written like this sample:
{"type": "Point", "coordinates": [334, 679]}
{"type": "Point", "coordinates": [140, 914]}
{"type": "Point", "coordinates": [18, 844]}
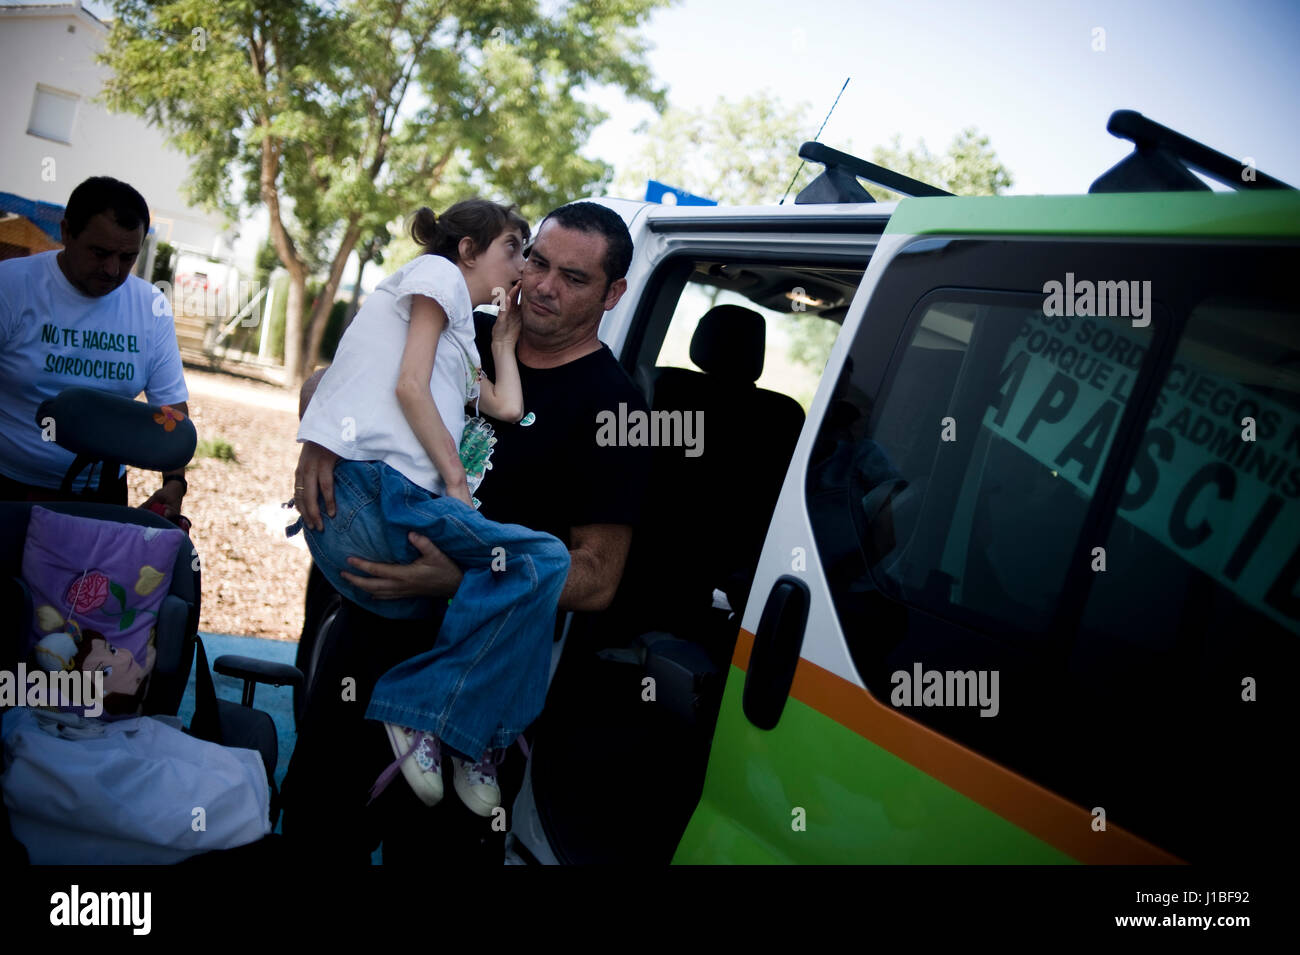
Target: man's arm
{"type": "Point", "coordinates": [308, 389]}
{"type": "Point", "coordinates": [597, 553]}
{"type": "Point", "coordinates": [165, 377]}
{"type": "Point", "coordinates": [172, 492]}
{"type": "Point", "coordinates": [314, 476]}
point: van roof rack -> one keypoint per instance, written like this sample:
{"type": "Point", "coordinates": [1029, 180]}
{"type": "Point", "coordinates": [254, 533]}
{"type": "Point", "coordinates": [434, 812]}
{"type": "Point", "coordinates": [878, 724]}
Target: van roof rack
{"type": "Point", "coordinates": [838, 182]}
{"type": "Point", "coordinates": [1161, 159]}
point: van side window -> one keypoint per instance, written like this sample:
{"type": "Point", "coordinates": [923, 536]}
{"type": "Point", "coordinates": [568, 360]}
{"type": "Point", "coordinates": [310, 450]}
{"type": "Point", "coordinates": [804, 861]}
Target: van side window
{"type": "Point", "coordinates": [1206, 541]}
{"type": "Point", "coordinates": [967, 488]}
{"type": "Point", "coordinates": [797, 345]}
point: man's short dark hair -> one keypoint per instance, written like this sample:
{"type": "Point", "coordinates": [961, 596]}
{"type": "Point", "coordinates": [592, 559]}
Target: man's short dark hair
{"type": "Point", "coordinates": [601, 220]}
{"type": "Point", "coordinates": [99, 194]}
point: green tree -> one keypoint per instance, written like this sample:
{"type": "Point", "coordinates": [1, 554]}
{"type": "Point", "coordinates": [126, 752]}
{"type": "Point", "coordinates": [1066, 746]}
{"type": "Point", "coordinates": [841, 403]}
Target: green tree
{"type": "Point", "coordinates": [739, 153]}
{"type": "Point", "coordinates": [970, 167]}
{"type": "Point", "coordinates": [341, 117]}
{"type": "Point", "coordinates": [369, 251]}
{"type": "Point", "coordinates": [266, 261]}
{"type": "Point", "coordinates": [163, 270]}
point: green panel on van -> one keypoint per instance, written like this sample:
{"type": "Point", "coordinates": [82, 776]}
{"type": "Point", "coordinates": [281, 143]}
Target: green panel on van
{"type": "Point", "coordinates": [1263, 214]}
{"type": "Point", "coordinates": [814, 791]}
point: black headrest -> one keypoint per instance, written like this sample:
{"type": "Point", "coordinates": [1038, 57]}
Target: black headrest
{"type": "Point", "coordinates": [730, 342]}
{"type": "Point", "coordinates": [107, 427]}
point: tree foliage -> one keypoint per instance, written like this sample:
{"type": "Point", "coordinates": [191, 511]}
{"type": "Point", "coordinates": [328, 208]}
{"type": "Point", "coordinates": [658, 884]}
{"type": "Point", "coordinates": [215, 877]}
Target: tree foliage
{"type": "Point", "coordinates": [741, 152]}
{"type": "Point", "coordinates": [341, 118]}
{"type": "Point", "coordinates": [970, 167]}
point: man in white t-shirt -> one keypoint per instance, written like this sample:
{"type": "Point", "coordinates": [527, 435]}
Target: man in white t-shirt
{"type": "Point", "coordinates": [79, 317]}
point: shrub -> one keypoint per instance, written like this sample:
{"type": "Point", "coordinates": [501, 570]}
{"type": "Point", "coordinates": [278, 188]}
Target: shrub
{"type": "Point", "coordinates": [218, 448]}
{"type": "Point", "coordinates": [333, 330]}
{"type": "Point", "coordinates": [162, 264]}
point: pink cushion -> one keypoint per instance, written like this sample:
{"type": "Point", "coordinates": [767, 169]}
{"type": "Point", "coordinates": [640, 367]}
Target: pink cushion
{"type": "Point", "coordinates": [91, 575]}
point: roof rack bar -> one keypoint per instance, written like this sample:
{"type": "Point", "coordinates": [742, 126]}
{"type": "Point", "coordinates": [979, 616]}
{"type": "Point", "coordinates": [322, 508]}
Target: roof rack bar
{"type": "Point", "coordinates": [1147, 134]}
{"type": "Point", "coordinates": [877, 175]}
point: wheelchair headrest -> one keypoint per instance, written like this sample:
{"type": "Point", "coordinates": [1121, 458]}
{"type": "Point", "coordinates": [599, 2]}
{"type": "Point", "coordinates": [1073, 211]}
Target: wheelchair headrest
{"type": "Point", "coordinates": [729, 342]}
{"type": "Point", "coordinates": [107, 427]}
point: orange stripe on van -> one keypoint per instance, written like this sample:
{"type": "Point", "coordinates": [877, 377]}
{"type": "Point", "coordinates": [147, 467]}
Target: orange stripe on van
{"type": "Point", "coordinates": [1025, 804]}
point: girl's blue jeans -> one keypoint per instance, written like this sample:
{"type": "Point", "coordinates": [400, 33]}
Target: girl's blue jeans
{"type": "Point", "coordinates": [484, 681]}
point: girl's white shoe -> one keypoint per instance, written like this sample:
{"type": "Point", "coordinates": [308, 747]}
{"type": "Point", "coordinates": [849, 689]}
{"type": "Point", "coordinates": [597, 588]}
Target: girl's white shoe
{"type": "Point", "coordinates": [476, 784]}
{"type": "Point", "coordinates": [423, 767]}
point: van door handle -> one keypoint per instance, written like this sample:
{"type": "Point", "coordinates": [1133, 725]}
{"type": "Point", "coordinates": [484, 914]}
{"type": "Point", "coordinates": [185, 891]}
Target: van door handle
{"type": "Point", "coordinates": [777, 646]}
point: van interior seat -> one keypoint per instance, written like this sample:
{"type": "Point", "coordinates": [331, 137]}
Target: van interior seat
{"type": "Point", "coordinates": [701, 528]}
{"type": "Point", "coordinates": [706, 516]}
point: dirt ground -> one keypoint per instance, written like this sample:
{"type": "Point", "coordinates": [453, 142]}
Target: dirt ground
{"type": "Point", "coordinates": [253, 576]}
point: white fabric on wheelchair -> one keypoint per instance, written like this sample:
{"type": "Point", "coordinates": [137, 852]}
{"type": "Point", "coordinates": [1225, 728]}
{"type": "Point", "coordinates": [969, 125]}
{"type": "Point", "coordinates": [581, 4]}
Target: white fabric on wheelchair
{"type": "Point", "coordinates": [87, 792]}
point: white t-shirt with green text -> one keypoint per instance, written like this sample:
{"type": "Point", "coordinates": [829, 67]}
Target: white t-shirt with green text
{"type": "Point", "coordinates": [53, 337]}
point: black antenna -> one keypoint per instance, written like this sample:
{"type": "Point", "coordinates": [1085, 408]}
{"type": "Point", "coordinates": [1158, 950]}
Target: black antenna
{"type": "Point", "coordinates": [803, 163]}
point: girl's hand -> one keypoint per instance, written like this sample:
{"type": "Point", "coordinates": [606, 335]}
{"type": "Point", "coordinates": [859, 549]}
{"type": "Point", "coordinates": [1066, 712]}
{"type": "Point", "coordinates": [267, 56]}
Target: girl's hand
{"type": "Point", "coordinates": [505, 331]}
{"type": "Point", "coordinates": [460, 492]}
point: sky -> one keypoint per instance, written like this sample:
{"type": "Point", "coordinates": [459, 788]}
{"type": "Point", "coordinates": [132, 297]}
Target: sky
{"type": "Point", "coordinates": [1038, 77]}
{"type": "Point", "coordinates": [1024, 73]}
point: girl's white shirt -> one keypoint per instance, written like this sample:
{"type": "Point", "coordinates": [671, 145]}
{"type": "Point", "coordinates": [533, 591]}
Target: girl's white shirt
{"type": "Point", "coordinates": [355, 412]}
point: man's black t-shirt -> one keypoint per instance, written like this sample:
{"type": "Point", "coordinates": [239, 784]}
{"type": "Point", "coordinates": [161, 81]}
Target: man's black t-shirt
{"type": "Point", "coordinates": [548, 472]}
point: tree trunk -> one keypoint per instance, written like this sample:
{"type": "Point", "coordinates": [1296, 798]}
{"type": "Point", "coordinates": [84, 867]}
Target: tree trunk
{"type": "Point", "coordinates": [289, 257]}
{"type": "Point", "coordinates": [363, 259]}
{"type": "Point", "coordinates": [320, 314]}
{"type": "Point", "coordinates": [293, 330]}
{"type": "Point", "coordinates": [293, 326]}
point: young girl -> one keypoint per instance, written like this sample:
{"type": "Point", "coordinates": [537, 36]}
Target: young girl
{"type": "Point", "coordinates": [392, 405]}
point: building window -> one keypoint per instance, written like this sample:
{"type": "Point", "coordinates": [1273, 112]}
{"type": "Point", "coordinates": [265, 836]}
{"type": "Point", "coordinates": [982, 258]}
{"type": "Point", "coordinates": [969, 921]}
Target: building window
{"type": "Point", "coordinates": [52, 114]}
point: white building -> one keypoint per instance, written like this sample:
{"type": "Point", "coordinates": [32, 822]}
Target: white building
{"type": "Point", "coordinates": [55, 134]}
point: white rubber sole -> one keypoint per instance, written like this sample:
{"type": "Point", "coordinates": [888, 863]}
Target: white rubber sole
{"type": "Point", "coordinates": [475, 803]}
{"type": "Point", "coordinates": [427, 787]}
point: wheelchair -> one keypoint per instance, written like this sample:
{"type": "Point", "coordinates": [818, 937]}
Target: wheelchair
{"type": "Point", "coordinates": [105, 431]}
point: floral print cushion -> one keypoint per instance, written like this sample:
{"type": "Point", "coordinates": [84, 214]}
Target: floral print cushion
{"type": "Point", "coordinates": [96, 588]}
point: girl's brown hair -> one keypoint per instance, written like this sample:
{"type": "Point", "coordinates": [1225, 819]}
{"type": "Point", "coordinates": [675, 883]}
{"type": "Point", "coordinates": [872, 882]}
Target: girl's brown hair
{"type": "Point", "coordinates": [481, 220]}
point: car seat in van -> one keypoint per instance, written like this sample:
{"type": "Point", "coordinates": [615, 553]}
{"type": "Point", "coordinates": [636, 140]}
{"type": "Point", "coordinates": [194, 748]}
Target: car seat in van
{"type": "Point", "coordinates": [707, 514]}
